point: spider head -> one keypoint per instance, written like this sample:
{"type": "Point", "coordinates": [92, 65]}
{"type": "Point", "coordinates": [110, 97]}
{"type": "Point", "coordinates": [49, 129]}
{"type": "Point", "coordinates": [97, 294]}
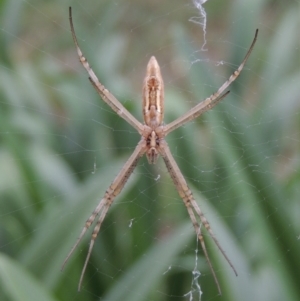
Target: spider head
{"type": "Point", "coordinates": [152, 155]}
{"type": "Point", "coordinates": [152, 143]}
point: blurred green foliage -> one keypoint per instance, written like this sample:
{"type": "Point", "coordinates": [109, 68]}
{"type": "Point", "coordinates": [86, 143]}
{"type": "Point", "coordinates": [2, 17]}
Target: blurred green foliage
{"type": "Point", "coordinates": [61, 146]}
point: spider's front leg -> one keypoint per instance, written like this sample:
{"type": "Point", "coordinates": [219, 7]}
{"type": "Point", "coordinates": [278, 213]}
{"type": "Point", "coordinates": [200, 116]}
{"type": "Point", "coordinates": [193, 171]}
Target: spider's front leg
{"type": "Point", "coordinates": [103, 206]}
{"type": "Point", "coordinates": [191, 205]}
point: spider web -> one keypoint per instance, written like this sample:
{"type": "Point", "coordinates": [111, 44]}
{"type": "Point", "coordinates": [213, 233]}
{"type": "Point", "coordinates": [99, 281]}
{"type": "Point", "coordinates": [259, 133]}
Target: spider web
{"type": "Point", "coordinates": [61, 147]}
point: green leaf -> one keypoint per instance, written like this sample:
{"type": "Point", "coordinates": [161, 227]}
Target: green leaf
{"type": "Point", "coordinates": [18, 285]}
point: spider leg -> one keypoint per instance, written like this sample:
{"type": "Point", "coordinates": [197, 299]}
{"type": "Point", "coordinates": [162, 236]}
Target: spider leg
{"type": "Point", "coordinates": [190, 203]}
{"type": "Point", "coordinates": [94, 236]}
{"type": "Point", "coordinates": [206, 224]}
{"type": "Point", "coordinates": [102, 91]}
{"type": "Point", "coordinates": [212, 100]}
{"type": "Point", "coordinates": [87, 225]}
{"type": "Point", "coordinates": [114, 189]}
{"type": "Point", "coordinates": [201, 239]}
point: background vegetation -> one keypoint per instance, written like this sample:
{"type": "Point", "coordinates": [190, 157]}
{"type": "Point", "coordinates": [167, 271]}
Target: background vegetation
{"type": "Point", "coordinates": [60, 148]}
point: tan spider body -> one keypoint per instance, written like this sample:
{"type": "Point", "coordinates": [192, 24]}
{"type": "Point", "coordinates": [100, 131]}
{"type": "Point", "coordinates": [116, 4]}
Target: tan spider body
{"type": "Point", "coordinates": [153, 144]}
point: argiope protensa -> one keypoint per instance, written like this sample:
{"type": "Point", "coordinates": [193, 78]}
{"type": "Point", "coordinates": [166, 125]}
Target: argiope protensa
{"type": "Point", "coordinates": [153, 132]}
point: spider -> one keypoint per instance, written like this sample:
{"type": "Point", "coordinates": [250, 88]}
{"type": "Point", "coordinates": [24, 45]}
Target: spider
{"type": "Point", "coordinates": [153, 132]}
